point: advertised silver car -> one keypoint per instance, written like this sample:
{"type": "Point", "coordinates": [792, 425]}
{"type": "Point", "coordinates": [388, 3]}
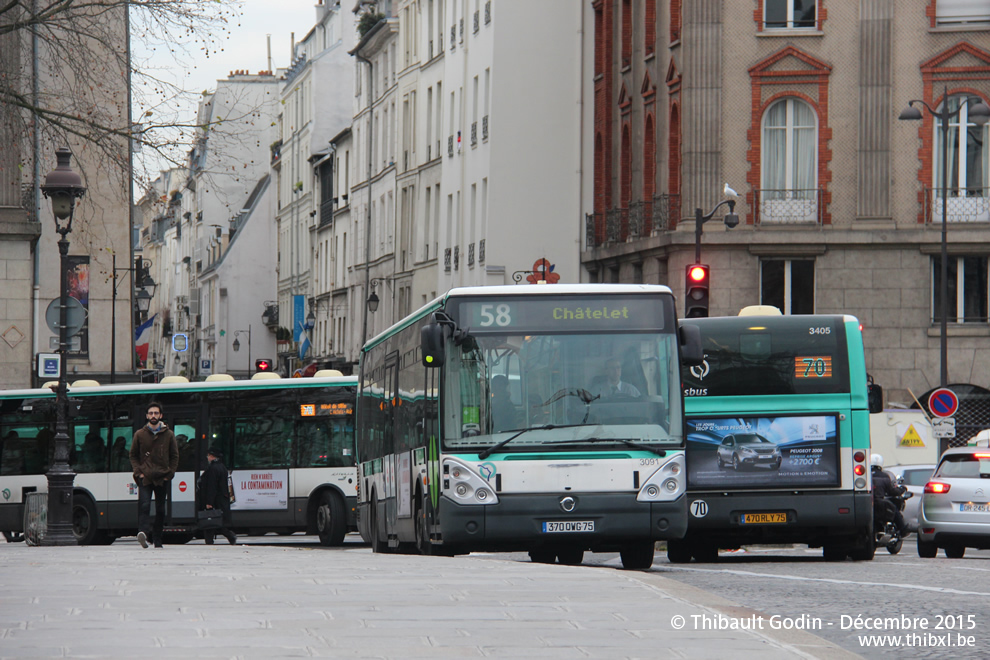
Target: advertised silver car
{"type": "Point", "coordinates": [747, 449]}
{"type": "Point", "coordinates": [955, 508]}
{"type": "Point", "coordinates": [914, 478]}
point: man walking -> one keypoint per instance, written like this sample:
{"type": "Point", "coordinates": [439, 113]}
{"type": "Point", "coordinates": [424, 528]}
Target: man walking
{"type": "Point", "coordinates": [216, 494]}
{"type": "Point", "coordinates": [154, 459]}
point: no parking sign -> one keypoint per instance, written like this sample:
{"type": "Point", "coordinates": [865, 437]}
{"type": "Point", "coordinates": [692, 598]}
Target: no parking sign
{"type": "Point", "coordinates": [943, 402]}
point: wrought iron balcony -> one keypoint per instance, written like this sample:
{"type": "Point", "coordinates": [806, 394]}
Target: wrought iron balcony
{"type": "Point", "coordinates": [446, 260]}
{"type": "Point", "coordinates": [450, 146]}
{"type": "Point", "coordinates": [789, 206]}
{"type": "Point", "coordinates": [640, 220]}
{"type": "Point", "coordinates": [484, 127]}
{"type": "Point", "coordinates": [474, 133]}
{"type": "Point", "coordinates": [961, 205]}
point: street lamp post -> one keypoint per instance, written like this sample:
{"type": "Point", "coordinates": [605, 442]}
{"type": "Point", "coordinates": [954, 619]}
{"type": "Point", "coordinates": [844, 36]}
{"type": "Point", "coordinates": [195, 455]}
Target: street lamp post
{"type": "Point", "coordinates": [142, 300]}
{"type": "Point", "coordinates": [63, 187]}
{"type": "Point", "coordinates": [979, 114]}
{"type": "Point", "coordinates": [700, 218]}
{"type": "Point", "coordinates": [237, 345]}
{"type": "Point", "coordinates": [373, 300]}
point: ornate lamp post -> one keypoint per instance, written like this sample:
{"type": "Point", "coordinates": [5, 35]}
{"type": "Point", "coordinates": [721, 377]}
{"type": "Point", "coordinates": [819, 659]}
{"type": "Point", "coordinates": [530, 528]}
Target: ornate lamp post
{"type": "Point", "coordinates": [237, 346]}
{"type": "Point", "coordinates": [63, 187]}
{"type": "Point", "coordinates": [141, 280]}
{"type": "Point", "coordinates": [978, 114]}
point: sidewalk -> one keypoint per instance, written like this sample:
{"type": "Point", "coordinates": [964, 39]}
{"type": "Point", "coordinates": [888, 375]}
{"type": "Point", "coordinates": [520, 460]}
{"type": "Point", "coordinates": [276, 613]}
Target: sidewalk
{"type": "Point", "coordinates": [271, 601]}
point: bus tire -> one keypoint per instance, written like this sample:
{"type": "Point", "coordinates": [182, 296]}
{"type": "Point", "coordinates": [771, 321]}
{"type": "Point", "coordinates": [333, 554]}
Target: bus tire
{"type": "Point", "coordinates": [571, 556]}
{"type": "Point", "coordinates": [423, 543]}
{"type": "Point", "coordinates": [376, 543]}
{"type": "Point", "coordinates": [84, 522]}
{"type": "Point", "coordinates": [13, 537]}
{"type": "Point", "coordinates": [678, 552]}
{"type": "Point", "coordinates": [638, 556]}
{"type": "Point", "coordinates": [865, 549]}
{"type": "Point", "coordinates": [331, 522]}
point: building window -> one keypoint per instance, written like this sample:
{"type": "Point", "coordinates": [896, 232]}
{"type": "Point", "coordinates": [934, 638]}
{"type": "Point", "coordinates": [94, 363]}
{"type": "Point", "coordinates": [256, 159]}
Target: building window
{"type": "Point", "coordinates": [782, 14]}
{"type": "Point", "coordinates": [962, 12]}
{"type": "Point", "coordinates": [788, 285]}
{"type": "Point", "coordinates": [968, 152]}
{"type": "Point", "coordinates": [790, 163]}
{"type": "Point", "coordinates": [967, 289]}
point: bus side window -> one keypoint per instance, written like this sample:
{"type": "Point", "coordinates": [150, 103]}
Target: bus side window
{"type": "Point", "coordinates": [120, 449]}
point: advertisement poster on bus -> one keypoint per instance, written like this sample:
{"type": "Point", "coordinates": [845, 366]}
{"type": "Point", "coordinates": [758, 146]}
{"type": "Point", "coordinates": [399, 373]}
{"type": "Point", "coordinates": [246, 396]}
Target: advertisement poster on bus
{"type": "Point", "coordinates": [260, 490]}
{"type": "Point", "coordinates": [762, 452]}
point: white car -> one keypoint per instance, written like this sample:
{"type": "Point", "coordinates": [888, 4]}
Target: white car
{"type": "Point", "coordinates": [955, 509]}
{"type": "Point", "coordinates": [914, 479]}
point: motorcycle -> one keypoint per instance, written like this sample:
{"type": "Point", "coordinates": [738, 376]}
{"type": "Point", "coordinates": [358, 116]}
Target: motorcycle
{"type": "Point", "coordinates": [887, 534]}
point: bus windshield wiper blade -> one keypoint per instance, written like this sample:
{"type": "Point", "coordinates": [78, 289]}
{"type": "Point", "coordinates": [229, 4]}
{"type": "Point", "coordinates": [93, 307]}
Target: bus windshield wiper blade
{"type": "Point", "coordinates": [629, 443]}
{"type": "Point", "coordinates": [485, 453]}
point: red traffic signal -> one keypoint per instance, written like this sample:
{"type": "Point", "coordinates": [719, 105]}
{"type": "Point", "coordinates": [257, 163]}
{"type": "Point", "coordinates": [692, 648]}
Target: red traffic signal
{"type": "Point", "coordinates": [697, 281]}
{"type": "Point", "coordinates": [262, 364]}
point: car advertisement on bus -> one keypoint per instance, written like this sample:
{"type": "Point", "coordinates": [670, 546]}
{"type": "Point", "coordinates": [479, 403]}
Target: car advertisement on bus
{"type": "Point", "coordinates": [762, 452]}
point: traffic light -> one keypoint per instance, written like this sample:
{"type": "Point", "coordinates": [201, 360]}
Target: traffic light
{"type": "Point", "coordinates": [262, 364]}
{"type": "Point", "coordinates": [697, 282]}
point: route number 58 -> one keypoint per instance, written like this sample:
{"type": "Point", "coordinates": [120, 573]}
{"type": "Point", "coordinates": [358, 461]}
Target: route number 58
{"type": "Point", "coordinates": [499, 315]}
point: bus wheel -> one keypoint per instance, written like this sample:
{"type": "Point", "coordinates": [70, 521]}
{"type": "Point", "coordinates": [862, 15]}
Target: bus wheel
{"type": "Point", "coordinates": [423, 543]}
{"type": "Point", "coordinates": [331, 524]}
{"type": "Point", "coordinates": [571, 557]}
{"type": "Point", "coordinates": [84, 522]}
{"type": "Point", "coordinates": [542, 556]}
{"type": "Point", "coordinates": [13, 537]}
{"type": "Point", "coordinates": [639, 556]}
{"type": "Point", "coordinates": [865, 548]}
{"type": "Point", "coordinates": [376, 543]}
{"type": "Point", "coordinates": [678, 552]}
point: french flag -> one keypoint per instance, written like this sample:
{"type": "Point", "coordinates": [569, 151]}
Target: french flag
{"type": "Point", "coordinates": [142, 338]}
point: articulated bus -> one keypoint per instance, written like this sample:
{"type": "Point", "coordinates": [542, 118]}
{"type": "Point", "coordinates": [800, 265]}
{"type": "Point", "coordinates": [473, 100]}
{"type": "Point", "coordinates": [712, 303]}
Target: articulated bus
{"type": "Point", "coordinates": [289, 445]}
{"type": "Point", "coordinates": [778, 438]}
{"type": "Point", "coordinates": [544, 418]}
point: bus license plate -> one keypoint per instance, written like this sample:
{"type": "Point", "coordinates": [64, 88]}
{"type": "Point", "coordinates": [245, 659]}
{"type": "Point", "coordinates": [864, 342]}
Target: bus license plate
{"type": "Point", "coordinates": [569, 526]}
{"type": "Point", "coordinates": [978, 507]}
{"type": "Point", "coordinates": [763, 518]}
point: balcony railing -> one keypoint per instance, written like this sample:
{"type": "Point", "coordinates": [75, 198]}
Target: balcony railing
{"type": "Point", "coordinates": [962, 205]}
{"type": "Point", "coordinates": [789, 206]}
{"type": "Point", "coordinates": [450, 146]}
{"type": "Point", "coordinates": [481, 251]}
{"type": "Point", "coordinates": [640, 220]}
{"type": "Point", "coordinates": [484, 127]}
{"type": "Point", "coordinates": [471, 254]}
{"type": "Point", "coordinates": [457, 257]}
{"type": "Point", "coordinates": [474, 133]}
{"type": "Point", "coordinates": [446, 260]}
{"type": "Point", "coordinates": [488, 12]}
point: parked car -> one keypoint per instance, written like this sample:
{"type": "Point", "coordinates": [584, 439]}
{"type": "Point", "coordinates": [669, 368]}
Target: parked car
{"type": "Point", "coordinates": [955, 507]}
{"type": "Point", "coordinates": [747, 449]}
{"type": "Point", "coordinates": [914, 478]}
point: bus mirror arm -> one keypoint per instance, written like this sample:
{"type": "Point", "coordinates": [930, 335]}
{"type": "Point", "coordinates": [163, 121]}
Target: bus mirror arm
{"type": "Point", "coordinates": [692, 353]}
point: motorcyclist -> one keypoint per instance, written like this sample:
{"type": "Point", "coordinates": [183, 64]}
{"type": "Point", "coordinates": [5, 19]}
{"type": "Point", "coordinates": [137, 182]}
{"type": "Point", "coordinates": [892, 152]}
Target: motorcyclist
{"type": "Point", "coordinates": [885, 491]}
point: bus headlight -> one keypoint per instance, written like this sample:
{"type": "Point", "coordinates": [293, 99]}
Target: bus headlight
{"type": "Point", "coordinates": [666, 484]}
{"type": "Point", "coordinates": [464, 485]}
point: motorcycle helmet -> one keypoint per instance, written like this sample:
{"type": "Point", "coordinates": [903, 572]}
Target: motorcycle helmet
{"type": "Point", "coordinates": [876, 460]}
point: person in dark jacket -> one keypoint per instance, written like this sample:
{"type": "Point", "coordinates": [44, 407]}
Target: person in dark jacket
{"type": "Point", "coordinates": [154, 459]}
{"type": "Point", "coordinates": [885, 487]}
{"type": "Point", "coordinates": [216, 495]}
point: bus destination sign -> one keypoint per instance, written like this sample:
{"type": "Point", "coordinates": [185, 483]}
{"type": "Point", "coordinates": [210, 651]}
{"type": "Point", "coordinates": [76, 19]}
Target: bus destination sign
{"type": "Point", "coordinates": [563, 314]}
{"type": "Point", "coordinates": [325, 409]}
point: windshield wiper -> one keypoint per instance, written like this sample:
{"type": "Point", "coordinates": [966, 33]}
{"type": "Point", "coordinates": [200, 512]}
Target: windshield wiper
{"type": "Point", "coordinates": [629, 443]}
{"type": "Point", "coordinates": [485, 453]}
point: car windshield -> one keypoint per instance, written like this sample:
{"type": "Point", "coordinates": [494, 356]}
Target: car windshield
{"type": "Point", "coordinates": [974, 466]}
{"type": "Point", "coordinates": [601, 389]}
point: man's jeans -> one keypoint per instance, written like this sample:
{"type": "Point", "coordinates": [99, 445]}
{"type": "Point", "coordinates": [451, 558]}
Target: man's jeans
{"type": "Point", "coordinates": [144, 509]}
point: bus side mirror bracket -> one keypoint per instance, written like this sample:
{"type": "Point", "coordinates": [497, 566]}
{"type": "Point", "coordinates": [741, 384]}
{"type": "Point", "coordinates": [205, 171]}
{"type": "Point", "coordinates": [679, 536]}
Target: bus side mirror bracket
{"type": "Point", "coordinates": [431, 344]}
{"type": "Point", "coordinates": [692, 354]}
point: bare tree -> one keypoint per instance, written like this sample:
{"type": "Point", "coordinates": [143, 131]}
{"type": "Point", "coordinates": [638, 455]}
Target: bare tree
{"type": "Point", "coordinates": [75, 76]}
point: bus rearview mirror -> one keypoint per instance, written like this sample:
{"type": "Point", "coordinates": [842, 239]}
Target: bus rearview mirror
{"type": "Point", "coordinates": [431, 344]}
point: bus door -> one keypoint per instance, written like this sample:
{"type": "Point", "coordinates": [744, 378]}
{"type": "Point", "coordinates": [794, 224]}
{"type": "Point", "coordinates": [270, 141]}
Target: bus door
{"type": "Point", "coordinates": [185, 424]}
{"type": "Point", "coordinates": [391, 459]}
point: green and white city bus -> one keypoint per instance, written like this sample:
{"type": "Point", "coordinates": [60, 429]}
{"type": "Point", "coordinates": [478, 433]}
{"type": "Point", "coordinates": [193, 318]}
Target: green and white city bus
{"type": "Point", "coordinates": [778, 441]}
{"type": "Point", "coordinates": [488, 421]}
{"type": "Point", "coordinates": [288, 443]}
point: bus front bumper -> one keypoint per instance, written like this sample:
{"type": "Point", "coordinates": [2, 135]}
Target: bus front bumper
{"type": "Point", "coordinates": [520, 521]}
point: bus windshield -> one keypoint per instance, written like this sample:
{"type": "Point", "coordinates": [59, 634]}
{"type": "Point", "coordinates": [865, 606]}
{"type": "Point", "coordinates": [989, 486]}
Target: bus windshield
{"type": "Point", "coordinates": [581, 386]}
